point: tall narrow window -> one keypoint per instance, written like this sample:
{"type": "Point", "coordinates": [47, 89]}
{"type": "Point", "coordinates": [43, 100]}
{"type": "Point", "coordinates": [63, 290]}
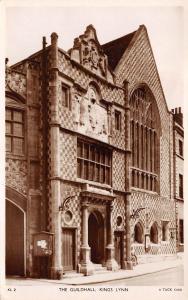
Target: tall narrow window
{"type": "Point", "coordinates": [133, 143]}
{"type": "Point", "coordinates": [180, 186]}
{"type": "Point", "coordinates": [180, 148]}
{"type": "Point", "coordinates": [181, 232]}
{"type": "Point", "coordinates": [146, 156]}
{"type": "Point", "coordinates": [65, 96]}
{"type": "Point", "coordinates": [133, 178]}
{"type": "Point", "coordinates": [142, 147]}
{"type": "Point", "coordinates": [155, 152]}
{"type": "Point", "coordinates": [138, 146]}
{"type": "Point", "coordinates": [14, 131]}
{"type": "Point", "coordinates": [151, 151]}
{"type": "Point", "coordinates": [117, 120]}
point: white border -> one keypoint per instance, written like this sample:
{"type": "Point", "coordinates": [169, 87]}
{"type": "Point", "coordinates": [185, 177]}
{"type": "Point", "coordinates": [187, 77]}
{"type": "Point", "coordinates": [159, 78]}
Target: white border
{"type": "Point", "coordinates": [49, 292]}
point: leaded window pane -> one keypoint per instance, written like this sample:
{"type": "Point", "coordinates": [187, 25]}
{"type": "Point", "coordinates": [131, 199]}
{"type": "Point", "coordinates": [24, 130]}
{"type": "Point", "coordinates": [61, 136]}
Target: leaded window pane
{"type": "Point", "coordinates": [17, 116]}
{"type": "Point", "coordinates": [8, 128]}
{"type": "Point", "coordinates": [18, 129]}
{"type": "Point", "coordinates": [79, 166]}
{"type": "Point", "coordinates": [18, 146]}
{"type": "Point", "coordinates": [8, 114]}
{"type": "Point", "coordinates": [93, 162]}
{"type": "Point", "coordinates": [8, 144]}
{"type": "Point", "coordinates": [14, 131]}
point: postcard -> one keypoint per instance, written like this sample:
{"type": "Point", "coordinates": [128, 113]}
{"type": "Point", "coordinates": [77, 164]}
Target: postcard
{"type": "Point", "coordinates": [93, 180]}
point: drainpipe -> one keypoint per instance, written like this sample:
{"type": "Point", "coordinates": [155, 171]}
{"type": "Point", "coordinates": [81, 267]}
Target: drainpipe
{"type": "Point", "coordinates": [127, 262]}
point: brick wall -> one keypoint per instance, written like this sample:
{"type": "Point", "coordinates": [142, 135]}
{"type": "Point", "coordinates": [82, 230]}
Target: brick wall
{"type": "Point", "coordinates": [138, 66]}
{"type": "Point", "coordinates": [118, 210]}
{"type": "Point", "coordinates": [118, 171]}
{"type": "Point", "coordinates": [118, 136]}
{"type": "Point", "coordinates": [68, 156]}
{"type": "Point", "coordinates": [157, 208]}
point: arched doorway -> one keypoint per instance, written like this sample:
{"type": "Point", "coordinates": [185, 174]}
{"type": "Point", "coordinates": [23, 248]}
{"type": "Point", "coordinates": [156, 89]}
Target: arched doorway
{"type": "Point", "coordinates": [96, 237]}
{"type": "Point", "coordinates": [14, 240]}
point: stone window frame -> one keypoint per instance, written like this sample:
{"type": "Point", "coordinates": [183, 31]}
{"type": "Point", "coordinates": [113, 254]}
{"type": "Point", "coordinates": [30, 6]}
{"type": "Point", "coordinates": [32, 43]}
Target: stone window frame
{"type": "Point", "coordinates": [180, 146]}
{"type": "Point", "coordinates": [94, 162]}
{"type": "Point", "coordinates": [145, 134]}
{"type": "Point", "coordinates": [181, 186]}
{"type": "Point", "coordinates": [12, 135]}
{"type": "Point", "coordinates": [65, 94]}
{"type": "Point", "coordinates": [181, 231]}
{"type": "Point", "coordinates": [117, 119]}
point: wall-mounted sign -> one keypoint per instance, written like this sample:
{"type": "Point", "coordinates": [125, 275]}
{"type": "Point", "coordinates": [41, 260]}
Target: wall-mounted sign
{"type": "Point", "coordinates": [43, 244]}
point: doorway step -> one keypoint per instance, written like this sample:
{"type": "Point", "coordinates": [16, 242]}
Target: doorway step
{"type": "Point", "coordinates": [98, 268]}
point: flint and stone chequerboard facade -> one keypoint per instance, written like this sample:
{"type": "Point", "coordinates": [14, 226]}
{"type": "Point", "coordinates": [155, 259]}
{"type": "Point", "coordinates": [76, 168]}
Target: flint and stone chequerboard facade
{"type": "Point", "coordinates": [89, 158]}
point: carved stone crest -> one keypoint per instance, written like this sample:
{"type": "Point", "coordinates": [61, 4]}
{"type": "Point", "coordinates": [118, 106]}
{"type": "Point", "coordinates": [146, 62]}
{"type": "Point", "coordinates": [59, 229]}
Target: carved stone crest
{"type": "Point", "coordinates": [90, 117]}
{"type": "Point", "coordinates": [88, 52]}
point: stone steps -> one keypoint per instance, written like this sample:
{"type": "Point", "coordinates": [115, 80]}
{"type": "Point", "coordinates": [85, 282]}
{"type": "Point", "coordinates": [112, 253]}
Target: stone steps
{"type": "Point", "coordinates": [99, 267]}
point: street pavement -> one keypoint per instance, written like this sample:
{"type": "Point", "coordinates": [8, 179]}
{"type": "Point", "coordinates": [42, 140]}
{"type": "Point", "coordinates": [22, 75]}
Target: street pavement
{"type": "Point", "coordinates": [169, 277]}
{"type": "Point", "coordinates": [170, 270]}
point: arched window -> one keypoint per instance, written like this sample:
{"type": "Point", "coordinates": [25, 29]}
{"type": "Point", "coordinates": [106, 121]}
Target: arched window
{"type": "Point", "coordinates": [154, 233]}
{"type": "Point", "coordinates": [138, 233]}
{"type": "Point", "coordinates": [145, 137]}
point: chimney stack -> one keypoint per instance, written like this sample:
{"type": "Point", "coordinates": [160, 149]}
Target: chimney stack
{"type": "Point", "coordinates": [177, 115]}
{"type": "Point", "coordinates": [44, 43]}
{"type": "Point", "coordinates": [54, 38]}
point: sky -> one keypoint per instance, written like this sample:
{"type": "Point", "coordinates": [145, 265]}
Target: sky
{"type": "Point", "coordinates": [25, 27]}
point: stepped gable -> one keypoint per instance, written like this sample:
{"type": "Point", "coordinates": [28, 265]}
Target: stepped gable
{"type": "Point", "coordinates": [88, 52]}
{"type": "Point", "coordinates": [116, 48]}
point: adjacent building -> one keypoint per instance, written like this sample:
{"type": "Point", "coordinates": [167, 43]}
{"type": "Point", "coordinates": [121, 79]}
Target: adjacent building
{"type": "Point", "coordinates": [178, 174]}
{"type": "Point", "coordinates": [90, 161]}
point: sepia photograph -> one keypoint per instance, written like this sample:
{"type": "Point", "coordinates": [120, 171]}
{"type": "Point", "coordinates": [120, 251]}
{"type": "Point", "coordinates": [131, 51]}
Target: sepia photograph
{"type": "Point", "coordinates": [94, 150]}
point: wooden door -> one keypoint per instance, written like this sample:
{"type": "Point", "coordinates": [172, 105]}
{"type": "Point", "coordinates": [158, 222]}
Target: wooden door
{"type": "Point", "coordinates": [118, 244]}
{"type": "Point", "coordinates": [14, 240]}
{"type": "Point", "coordinates": [68, 249]}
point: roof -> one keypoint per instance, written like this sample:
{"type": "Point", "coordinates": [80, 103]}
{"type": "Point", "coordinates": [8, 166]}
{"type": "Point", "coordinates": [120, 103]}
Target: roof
{"type": "Point", "coordinates": [115, 49]}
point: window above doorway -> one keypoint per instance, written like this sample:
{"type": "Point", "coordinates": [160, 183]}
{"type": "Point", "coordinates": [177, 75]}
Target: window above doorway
{"type": "Point", "coordinates": [93, 162]}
